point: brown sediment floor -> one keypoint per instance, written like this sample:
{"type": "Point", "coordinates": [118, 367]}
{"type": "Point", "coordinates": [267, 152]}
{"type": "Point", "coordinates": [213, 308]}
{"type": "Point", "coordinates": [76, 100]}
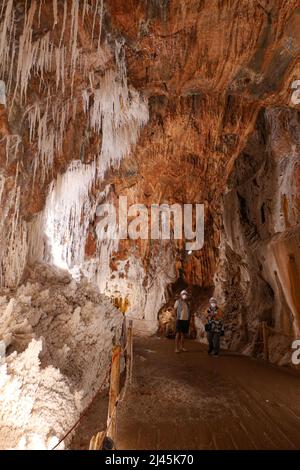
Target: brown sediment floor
{"type": "Point", "coordinates": [195, 401]}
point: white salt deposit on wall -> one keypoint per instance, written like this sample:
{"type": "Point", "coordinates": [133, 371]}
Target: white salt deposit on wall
{"type": "Point", "coordinates": [118, 113]}
{"type": "Point", "coordinates": [145, 291]}
{"type": "Point", "coordinates": [48, 381]}
{"type": "Point", "coordinates": [13, 235]}
{"type": "Point", "coordinates": [2, 93]}
{"type": "Point", "coordinates": [27, 396]}
{"type": "Point", "coordinates": [68, 211]}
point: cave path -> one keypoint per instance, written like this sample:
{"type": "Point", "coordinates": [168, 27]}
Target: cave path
{"type": "Point", "coordinates": [194, 401]}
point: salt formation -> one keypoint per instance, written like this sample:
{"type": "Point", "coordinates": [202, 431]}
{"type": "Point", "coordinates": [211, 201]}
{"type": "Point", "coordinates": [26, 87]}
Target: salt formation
{"type": "Point", "coordinates": [47, 128]}
{"type": "Point", "coordinates": [55, 360]}
{"type": "Point", "coordinates": [144, 290]}
{"type": "Point", "coordinates": [117, 113]}
{"type": "Point", "coordinates": [2, 93]}
{"type": "Point", "coordinates": [68, 212]}
{"type": "Point", "coordinates": [13, 235]}
{"type": "Point", "coordinates": [31, 57]}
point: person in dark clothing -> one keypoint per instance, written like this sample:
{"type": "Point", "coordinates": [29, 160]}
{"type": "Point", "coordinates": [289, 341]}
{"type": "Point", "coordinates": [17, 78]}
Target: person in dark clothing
{"type": "Point", "coordinates": [183, 315]}
{"type": "Point", "coordinates": [214, 327]}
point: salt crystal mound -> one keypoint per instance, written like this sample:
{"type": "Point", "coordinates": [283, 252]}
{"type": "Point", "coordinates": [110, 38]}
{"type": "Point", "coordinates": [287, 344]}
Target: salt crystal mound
{"type": "Point", "coordinates": [58, 336]}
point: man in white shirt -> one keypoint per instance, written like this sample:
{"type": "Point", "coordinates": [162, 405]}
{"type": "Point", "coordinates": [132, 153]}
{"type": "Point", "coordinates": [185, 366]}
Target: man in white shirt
{"type": "Point", "coordinates": [183, 315]}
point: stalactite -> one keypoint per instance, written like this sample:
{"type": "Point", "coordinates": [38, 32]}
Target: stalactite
{"type": "Point", "coordinates": [11, 68]}
{"type": "Point", "coordinates": [39, 14]}
{"type": "Point", "coordinates": [27, 53]}
{"type": "Point", "coordinates": [48, 129]}
{"type": "Point", "coordinates": [117, 113]}
{"type": "Point", "coordinates": [12, 146]}
{"type": "Point", "coordinates": [55, 18]}
{"type": "Point", "coordinates": [2, 9]}
{"type": "Point", "coordinates": [73, 39]}
{"type": "Point", "coordinates": [100, 25]}
{"type": "Point", "coordinates": [37, 239]}
{"type": "Point", "coordinates": [84, 10]}
{"type": "Point", "coordinates": [2, 183]}
{"type": "Point", "coordinates": [13, 235]}
{"type": "Point", "coordinates": [5, 37]}
{"type": "Point", "coordinates": [68, 212]}
{"type": "Point", "coordinates": [85, 98]}
{"type": "Point", "coordinates": [64, 24]}
{"type": "Point", "coordinates": [94, 21]}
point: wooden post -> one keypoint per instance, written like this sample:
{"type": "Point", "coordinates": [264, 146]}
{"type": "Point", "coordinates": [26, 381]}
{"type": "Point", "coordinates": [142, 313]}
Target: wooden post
{"type": "Point", "coordinates": [265, 340]}
{"type": "Point", "coordinates": [113, 392]}
{"type": "Point", "coordinates": [129, 350]}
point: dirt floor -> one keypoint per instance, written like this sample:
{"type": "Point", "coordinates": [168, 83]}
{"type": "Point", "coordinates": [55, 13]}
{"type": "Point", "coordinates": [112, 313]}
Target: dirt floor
{"type": "Point", "coordinates": [194, 401]}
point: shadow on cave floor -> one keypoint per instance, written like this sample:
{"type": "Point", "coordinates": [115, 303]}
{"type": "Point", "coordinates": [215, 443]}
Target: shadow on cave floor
{"type": "Point", "coordinates": [194, 401]}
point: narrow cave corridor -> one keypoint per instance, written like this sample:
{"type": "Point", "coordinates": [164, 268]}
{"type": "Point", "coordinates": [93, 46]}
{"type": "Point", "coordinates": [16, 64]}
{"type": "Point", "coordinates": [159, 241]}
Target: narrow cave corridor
{"type": "Point", "coordinates": [149, 224]}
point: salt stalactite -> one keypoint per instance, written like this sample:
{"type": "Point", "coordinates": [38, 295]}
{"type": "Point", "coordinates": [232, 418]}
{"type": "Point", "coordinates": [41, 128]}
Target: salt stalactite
{"type": "Point", "coordinates": [43, 55]}
{"type": "Point", "coordinates": [55, 18]}
{"type": "Point", "coordinates": [2, 93]}
{"type": "Point", "coordinates": [13, 236]}
{"type": "Point", "coordinates": [64, 24]}
{"type": "Point", "coordinates": [118, 112]}
{"type": "Point", "coordinates": [106, 246]}
{"type": "Point", "coordinates": [73, 39]}
{"type": "Point", "coordinates": [84, 7]}
{"type": "Point", "coordinates": [47, 128]}
{"type": "Point", "coordinates": [12, 146]}
{"type": "Point", "coordinates": [60, 59]}
{"type": "Point", "coordinates": [27, 53]}
{"type": "Point", "coordinates": [67, 213]}
{"type": "Point", "coordinates": [94, 21]}
{"type": "Point", "coordinates": [100, 25]}
{"type": "Point", "coordinates": [7, 25]}
{"type": "Point", "coordinates": [11, 68]}
{"type": "Point", "coordinates": [39, 14]}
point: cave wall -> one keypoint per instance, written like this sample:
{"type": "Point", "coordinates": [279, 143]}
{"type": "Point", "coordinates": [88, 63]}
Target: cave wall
{"type": "Point", "coordinates": [259, 263]}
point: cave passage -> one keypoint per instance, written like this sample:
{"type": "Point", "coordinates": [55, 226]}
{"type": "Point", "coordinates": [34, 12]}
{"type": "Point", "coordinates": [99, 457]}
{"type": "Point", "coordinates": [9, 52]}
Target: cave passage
{"type": "Point", "coordinates": [194, 401]}
{"type": "Point", "coordinates": [149, 146]}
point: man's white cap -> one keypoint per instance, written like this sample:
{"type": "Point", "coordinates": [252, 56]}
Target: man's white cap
{"type": "Point", "coordinates": [183, 292]}
{"type": "Point", "coordinates": [213, 300]}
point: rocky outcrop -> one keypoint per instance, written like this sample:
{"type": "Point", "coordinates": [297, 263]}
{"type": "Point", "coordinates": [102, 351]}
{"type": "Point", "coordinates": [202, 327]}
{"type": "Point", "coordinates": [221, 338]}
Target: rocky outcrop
{"type": "Point", "coordinates": [56, 339]}
{"type": "Point", "coordinates": [259, 262]}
